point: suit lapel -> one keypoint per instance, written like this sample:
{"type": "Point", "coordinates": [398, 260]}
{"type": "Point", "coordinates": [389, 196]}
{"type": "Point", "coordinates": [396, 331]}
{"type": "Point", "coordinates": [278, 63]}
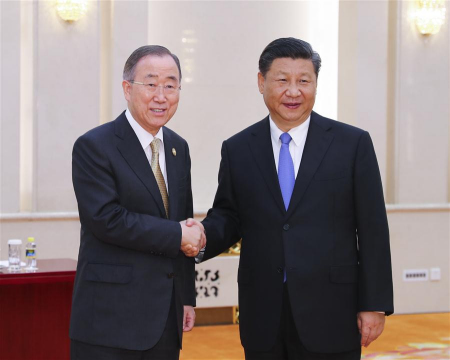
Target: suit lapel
{"type": "Point", "coordinates": [172, 174]}
{"type": "Point", "coordinates": [261, 147]}
{"type": "Point", "coordinates": [317, 142]}
{"type": "Point", "coordinates": [131, 149]}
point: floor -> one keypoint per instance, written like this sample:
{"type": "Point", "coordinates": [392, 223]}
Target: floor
{"type": "Point", "coordinates": [421, 336]}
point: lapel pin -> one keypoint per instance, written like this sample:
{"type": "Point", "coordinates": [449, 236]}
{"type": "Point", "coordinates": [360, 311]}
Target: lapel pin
{"type": "Point", "coordinates": [174, 152]}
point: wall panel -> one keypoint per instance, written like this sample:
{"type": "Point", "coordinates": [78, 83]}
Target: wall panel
{"type": "Point", "coordinates": [423, 115]}
{"type": "Point", "coordinates": [67, 76]}
{"type": "Point", "coordinates": [9, 106]}
{"type": "Point", "coordinates": [219, 44]}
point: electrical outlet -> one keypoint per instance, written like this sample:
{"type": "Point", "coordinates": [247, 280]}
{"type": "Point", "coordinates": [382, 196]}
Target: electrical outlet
{"type": "Point", "coordinates": [415, 275]}
{"type": "Point", "coordinates": [435, 274]}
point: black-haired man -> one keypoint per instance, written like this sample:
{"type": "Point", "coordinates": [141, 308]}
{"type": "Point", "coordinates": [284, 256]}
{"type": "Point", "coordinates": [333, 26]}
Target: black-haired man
{"type": "Point", "coordinates": [304, 193]}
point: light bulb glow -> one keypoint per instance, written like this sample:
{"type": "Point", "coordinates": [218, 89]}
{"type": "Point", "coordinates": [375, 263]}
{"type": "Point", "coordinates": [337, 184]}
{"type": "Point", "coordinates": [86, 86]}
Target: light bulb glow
{"type": "Point", "coordinates": [71, 10]}
{"type": "Point", "coordinates": [429, 16]}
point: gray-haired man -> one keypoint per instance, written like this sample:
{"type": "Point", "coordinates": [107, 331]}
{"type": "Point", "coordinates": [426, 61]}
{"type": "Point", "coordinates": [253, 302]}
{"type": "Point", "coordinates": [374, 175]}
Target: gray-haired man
{"type": "Point", "coordinates": [134, 291]}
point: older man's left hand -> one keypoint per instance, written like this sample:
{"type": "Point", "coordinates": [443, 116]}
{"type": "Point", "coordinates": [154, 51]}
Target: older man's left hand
{"type": "Point", "coordinates": [188, 318]}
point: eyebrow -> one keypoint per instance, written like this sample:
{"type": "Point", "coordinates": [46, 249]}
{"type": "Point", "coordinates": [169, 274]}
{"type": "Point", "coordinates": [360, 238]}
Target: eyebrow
{"type": "Point", "coordinates": [301, 74]}
{"type": "Point", "coordinates": [171, 77]}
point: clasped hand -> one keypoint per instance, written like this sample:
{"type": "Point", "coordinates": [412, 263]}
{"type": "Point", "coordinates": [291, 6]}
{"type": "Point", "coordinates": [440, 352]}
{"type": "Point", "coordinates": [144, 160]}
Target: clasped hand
{"type": "Point", "coordinates": [193, 237]}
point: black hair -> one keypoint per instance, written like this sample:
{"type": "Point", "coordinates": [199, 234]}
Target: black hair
{"type": "Point", "coordinates": [288, 48]}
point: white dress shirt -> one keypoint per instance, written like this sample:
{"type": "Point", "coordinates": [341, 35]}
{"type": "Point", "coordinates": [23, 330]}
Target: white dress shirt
{"type": "Point", "coordinates": [145, 138]}
{"type": "Point", "coordinates": [296, 145]}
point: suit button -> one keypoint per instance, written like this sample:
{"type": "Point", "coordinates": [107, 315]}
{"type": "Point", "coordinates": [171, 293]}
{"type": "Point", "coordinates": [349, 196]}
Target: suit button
{"type": "Point", "coordinates": [171, 275]}
{"type": "Point", "coordinates": [280, 270]}
{"type": "Point", "coordinates": [286, 227]}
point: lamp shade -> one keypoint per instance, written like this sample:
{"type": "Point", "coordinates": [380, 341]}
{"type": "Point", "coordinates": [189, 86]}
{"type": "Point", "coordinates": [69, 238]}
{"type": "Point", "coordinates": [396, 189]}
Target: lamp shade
{"type": "Point", "coordinates": [71, 10]}
{"type": "Point", "coordinates": [429, 16]}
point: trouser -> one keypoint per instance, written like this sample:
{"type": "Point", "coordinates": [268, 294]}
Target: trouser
{"type": "Point", "coordinates": [288, 345]}
{"type": "Point", "coordinates": [167, 348]}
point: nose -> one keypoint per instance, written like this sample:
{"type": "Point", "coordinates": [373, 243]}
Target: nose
{"type": "Point", "coordinates": [293, 90]}
{"type": "Point", "coordinates": [159, 95]}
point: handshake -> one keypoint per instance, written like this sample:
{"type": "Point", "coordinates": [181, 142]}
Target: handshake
{"type": "Point", "coordinates": [193, 237]}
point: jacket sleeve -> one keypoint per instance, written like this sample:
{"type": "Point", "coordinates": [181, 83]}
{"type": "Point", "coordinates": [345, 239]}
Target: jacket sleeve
{"type": "Point", "coordinates": [375, 272]}
{"type": "Point", "coordinates": [189, 262]}
{"type": "Point", "coordinates": [102, 213]}
{"type": "Point", "coordinates": [222, 221]}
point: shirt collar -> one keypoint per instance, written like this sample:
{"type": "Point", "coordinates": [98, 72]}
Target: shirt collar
{"type": "Point", "coordinates": [144, 137]}
{"type": "Point", "coordinates": [296, 133]}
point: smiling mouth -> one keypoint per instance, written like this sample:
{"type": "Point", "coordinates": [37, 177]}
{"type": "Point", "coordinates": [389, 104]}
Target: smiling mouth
{"type": "Point", "coordinates": [291, 105]}
{"type": "Point", "coordinates": [158, 111]}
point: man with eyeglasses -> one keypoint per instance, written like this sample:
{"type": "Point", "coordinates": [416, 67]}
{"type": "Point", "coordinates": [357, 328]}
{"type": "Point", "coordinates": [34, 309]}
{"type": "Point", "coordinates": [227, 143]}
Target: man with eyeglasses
{"type": "Point", "coordinates": [304, 193]}
{"type": "Point", "coordinates": [134, 290]}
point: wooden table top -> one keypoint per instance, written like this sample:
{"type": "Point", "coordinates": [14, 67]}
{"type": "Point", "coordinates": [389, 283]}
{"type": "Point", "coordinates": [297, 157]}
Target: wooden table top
{"type": "Point", "coordinates": [49, 270]}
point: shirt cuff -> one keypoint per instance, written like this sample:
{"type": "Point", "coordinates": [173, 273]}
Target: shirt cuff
{"type": "Point", "coordinates": [199, 257]}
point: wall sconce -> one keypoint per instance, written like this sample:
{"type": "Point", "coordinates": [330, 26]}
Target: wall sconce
{"type": "Point", "coordinates": [429, 16]}
{"type": "Point", "coordinates": [71, 10]}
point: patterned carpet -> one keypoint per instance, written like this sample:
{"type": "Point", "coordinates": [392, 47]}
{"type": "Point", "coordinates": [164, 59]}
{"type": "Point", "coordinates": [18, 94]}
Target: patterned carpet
{"type": "Point", "coordinates": [418, 337]}
{"type": "Point", "coordinates": [438, 351]}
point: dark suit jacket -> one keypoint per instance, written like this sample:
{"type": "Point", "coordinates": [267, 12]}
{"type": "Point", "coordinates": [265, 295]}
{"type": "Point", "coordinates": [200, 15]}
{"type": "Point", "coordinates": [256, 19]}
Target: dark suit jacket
{"type": "Point", "coordinates": [333, 239]}
{"type": "Point", "coordinates": [130, 263]}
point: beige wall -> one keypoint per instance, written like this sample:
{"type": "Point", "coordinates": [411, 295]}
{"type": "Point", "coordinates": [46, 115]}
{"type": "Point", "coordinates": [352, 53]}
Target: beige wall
{"type": "Point", "coordinates": [9, 107]}
{"type": "Point", "coordinates": [394, 83]}
{"type": "Point", "coordinates": [420, 240]}
{"type": "Point", "coordinates": [378, 74]}
{"type": "Point", "coordinates": [422, 113]}
{"type": "Point", "coordinates": [66, 82]}
{"type": "Point", "coordinates": [363, 65]}
{"type": "Point", "coordinates": [219, 56]}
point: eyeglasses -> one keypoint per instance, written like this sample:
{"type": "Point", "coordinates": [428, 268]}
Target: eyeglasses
{"type": "Point", "coordinates": [167, 89]}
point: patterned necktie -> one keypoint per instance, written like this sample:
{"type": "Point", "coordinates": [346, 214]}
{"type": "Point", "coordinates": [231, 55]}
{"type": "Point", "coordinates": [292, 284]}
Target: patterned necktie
{"type": "Point", "coordinates": [286, 175]}
{"type": "Point", "coordinates": [158, 174]}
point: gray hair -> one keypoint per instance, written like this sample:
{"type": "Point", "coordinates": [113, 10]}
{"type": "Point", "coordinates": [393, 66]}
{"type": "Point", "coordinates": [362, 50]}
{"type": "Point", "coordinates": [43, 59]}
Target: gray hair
{"type": "Point", "coordinates": [143, 51]}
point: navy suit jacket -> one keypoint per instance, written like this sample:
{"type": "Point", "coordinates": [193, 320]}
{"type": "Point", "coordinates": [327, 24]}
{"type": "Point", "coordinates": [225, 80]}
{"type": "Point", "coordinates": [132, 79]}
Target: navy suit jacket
{"type": "Point", "coordinates": [130, 264]}
{"type": "Point", "coordinates": [333, 239]}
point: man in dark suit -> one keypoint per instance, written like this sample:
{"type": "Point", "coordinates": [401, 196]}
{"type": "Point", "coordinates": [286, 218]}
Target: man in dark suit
{"type": "Point", "coordinates": [134, 290]}
{"type": "Point", "coordinates": [304, 193]}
